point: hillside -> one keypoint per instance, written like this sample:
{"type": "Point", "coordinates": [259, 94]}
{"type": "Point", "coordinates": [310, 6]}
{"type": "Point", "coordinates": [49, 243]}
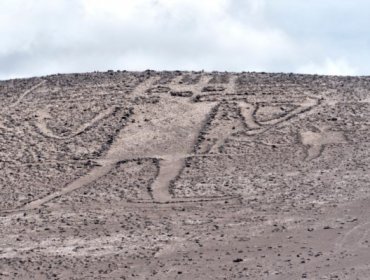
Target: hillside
{"type": "Point", "coordinates": [185, 175]}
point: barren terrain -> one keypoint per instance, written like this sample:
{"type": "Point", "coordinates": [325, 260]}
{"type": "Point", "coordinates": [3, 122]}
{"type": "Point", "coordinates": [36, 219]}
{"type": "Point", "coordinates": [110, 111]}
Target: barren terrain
{"type": "Point", "coordinates": [185, 175]}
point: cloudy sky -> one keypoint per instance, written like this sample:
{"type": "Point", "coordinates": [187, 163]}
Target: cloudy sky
{"type": "Point", "coordinates": [39, 37]}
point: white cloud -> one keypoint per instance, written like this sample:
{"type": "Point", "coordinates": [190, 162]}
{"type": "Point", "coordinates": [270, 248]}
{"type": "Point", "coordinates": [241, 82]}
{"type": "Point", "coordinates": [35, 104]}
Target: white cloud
{"type": "Point", "coordinates": [42, 37]}
{"type": "Point", "coordinates": [329, 67]}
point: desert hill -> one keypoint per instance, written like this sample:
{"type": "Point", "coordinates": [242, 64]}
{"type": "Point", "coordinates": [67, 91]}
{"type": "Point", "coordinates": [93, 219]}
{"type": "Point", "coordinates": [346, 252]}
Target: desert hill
{"type": "Point", "coordinates": [185, 175]}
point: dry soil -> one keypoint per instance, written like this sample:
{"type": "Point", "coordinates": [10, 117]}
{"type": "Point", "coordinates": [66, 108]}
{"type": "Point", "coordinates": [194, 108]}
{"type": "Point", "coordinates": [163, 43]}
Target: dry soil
{"type": "Point", "coordinates": [185, 175]}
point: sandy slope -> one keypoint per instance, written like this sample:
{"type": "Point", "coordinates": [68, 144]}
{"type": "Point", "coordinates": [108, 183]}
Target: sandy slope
{"type": "Point", "coordinates": [185, 175]}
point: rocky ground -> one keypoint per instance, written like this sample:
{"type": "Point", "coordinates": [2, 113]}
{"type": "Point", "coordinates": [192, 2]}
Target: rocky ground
{"type": "Point", "coordinates": [185, 175]}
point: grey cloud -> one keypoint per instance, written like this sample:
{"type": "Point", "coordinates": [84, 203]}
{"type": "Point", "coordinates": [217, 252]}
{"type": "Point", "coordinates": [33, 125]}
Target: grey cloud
{"type": "Point", "coordinates": [42, 37]}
